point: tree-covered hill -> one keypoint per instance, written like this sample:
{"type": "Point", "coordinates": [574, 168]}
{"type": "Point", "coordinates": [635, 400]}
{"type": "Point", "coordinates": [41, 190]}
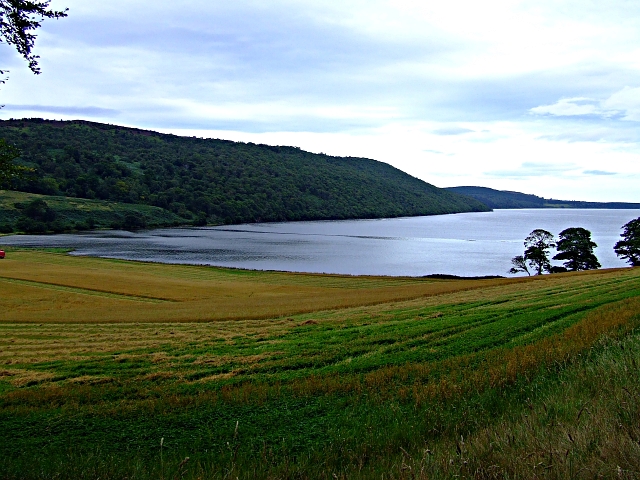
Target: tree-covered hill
{"type": "Point", "coordinates": [216, 181]}
{"type": "Point", "coordinates": [506, 199]}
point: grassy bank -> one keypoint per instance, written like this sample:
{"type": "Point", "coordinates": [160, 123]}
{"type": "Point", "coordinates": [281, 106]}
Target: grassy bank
{"type": "Point", "coordinates": [25, 212]}
{"type": "Point", "coordinates": [413, 379]}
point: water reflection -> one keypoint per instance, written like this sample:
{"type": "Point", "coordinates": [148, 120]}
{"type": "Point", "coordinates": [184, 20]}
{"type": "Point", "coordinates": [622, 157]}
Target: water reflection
{"type": "Point", "coordinates": [470, 244]}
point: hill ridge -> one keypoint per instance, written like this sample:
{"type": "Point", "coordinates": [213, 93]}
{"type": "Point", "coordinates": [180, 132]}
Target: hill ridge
{"type": "Point", "coordinates": [507, 199]}
{"type": "Point", "coordinates": [213, 181]}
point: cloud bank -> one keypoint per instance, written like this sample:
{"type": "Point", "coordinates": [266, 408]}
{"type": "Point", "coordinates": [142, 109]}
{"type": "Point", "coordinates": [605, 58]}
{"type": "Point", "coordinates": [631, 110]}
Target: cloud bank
{"type": "Point", "coordinates": [506, 90]}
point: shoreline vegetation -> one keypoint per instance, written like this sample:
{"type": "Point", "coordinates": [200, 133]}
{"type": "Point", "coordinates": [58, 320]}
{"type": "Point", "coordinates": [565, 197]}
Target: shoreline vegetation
{"type": "Point", "coordinates": [31, 213]}
{"type": "Point", "coordinates": [117, 369]}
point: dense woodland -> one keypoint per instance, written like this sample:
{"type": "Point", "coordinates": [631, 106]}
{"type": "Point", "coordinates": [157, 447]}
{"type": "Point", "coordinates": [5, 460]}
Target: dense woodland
{"type": "Point", "coordinates": [215, 181]}
{"type": "Point", "coordinates": [506, 199]}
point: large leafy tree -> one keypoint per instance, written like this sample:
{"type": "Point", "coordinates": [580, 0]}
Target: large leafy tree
{"type": "Point", "coordinates": [537, 246]}
{"type": "Point", "coordinates": [629, 246]}
{"type": "Point", "coordinates": [536, 254]}
{"type": "Point", "coordinates": [575, 247]}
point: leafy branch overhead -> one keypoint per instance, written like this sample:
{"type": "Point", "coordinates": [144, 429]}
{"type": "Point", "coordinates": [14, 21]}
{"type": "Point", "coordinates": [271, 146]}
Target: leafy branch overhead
{"type": "Point", "coordinates": [19, 19]}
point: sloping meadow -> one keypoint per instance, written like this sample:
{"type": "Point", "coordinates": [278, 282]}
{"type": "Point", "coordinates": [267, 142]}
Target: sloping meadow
{"type": "Point", "coordinates": [410, 387]}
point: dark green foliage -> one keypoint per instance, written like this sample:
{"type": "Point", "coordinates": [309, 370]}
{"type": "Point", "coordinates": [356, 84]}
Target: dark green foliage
{"type": "Point", "coordinates": [39, 210]}
{"type": "Point", "coordinates": [576, 248]}
{"type": "Point", "coordinates": [537, 246]}
{"type": "Point", "coordinates": [9, 171]}
{"type": "Point", "coordinates": [215, 180]}
{"type": "Point", "coordinates": [519, 265]}
{"type": "Point", "coordinates": [38, 217]}
{"type": "Point", "coordinates": [506, 199]}
{"type": "Point", "coordinates": [629, 246]}
{"type": "Point", "coordinates": [134, 221]}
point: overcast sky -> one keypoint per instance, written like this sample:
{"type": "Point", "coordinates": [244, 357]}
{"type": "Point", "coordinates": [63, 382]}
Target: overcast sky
{"type": "Point", "coordinates": [539, 96]}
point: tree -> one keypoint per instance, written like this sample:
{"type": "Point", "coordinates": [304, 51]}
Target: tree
{"type": "Point", "coordinates": [629, 246]}
{"type": "Point", "coordinates": [18, 21]}
{"type": "Point", "coordinates": [537, 246]}
{"type": "Point", "coordinates": [519, 265]}
{"type": "Point", "coordinates": [576, 248]}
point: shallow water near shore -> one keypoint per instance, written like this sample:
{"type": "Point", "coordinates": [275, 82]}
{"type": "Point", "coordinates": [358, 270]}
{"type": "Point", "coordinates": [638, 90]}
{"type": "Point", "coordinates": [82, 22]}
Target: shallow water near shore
{"type": "Point", "coordinates": [467, 244]}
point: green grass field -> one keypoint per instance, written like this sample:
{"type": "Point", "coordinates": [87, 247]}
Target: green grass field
{"type": "Point", "coordinates": [113, 369]}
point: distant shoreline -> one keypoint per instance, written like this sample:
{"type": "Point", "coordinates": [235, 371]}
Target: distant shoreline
{"type": "Point", "coordinates": [508, 200]}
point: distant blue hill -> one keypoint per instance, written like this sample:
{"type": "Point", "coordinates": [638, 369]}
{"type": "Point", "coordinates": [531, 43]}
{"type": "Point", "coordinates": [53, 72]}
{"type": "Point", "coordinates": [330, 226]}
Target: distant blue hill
{"type": "Point", "coordinates": [506, 199]}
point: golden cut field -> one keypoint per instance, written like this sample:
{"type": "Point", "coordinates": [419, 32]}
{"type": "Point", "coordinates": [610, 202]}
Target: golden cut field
{"type": "Point", "coordinates": [53, 287]}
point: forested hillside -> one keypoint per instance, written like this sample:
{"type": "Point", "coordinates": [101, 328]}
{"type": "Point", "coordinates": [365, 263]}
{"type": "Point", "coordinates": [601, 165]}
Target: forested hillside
{"type": "Point", "coordinates": [216, 181]}
{"type": "Point", "coordinates": [506, 199]}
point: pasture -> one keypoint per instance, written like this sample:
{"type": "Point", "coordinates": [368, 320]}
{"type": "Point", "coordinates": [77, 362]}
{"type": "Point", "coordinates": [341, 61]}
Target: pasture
{"type": "Point", "coordinates": [112, 369]}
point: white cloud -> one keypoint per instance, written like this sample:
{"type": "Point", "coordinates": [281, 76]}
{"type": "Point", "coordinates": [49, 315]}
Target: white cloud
{"type": "Point", "coordinates": [598, 172]}
{"type": "Point", "coordinates": [452, 131]}
{"type": "Point", "coordinates": [451, 92]}
{"type": "Point", "coordinates": [624, 103]}
{"type": "Point", "coordinates": [566, 107]}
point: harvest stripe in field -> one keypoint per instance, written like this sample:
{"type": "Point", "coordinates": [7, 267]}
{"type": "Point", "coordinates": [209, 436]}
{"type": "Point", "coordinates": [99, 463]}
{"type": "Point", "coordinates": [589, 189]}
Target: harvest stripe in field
{"type": "Point", "coordinates": [85, 291]}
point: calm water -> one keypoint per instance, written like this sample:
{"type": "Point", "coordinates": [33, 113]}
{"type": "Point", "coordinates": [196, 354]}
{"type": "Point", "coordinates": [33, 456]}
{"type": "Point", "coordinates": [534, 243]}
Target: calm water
{"type": "Point", "coordinates": [468, 244]}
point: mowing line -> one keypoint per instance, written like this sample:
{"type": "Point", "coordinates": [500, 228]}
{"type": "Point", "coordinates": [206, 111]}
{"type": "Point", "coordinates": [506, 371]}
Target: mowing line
{"type": "Point", "coordinates": [85, 291]}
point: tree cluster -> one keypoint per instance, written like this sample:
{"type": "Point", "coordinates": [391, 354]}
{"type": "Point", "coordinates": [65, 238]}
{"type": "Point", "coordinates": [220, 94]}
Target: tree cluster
{"type": "Point", "coordinates": [575, 248]}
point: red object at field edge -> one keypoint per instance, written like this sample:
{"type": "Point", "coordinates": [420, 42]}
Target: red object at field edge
{"type": "Point", "coordinates": [1, 253]}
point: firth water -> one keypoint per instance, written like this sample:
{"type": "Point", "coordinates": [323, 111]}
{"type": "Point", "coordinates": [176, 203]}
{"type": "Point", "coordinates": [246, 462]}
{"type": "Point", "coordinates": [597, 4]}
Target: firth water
{"type": "Point", "coordinates": [467, 244]}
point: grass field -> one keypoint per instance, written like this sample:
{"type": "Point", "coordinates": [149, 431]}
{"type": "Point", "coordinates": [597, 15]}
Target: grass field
{"type": "Point", "coordinates": [45, 287]}
{"type": "Point", "coordinates": [112, 369]}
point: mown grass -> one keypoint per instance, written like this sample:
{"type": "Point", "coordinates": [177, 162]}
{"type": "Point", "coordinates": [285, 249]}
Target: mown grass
{"type": "Point", "coordinates": [44, 287]}
{"type": "Point", "coordinates": [505, 379]}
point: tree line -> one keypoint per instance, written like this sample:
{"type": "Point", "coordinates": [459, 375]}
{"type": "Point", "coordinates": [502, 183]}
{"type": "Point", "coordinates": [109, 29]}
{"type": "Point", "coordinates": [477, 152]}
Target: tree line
{"type": "Point", "coordinates": [575, 249]}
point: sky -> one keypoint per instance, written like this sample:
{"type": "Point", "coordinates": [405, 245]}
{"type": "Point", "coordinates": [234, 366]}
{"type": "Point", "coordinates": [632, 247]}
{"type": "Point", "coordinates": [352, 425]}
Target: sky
{"type": "Point", "coordinates": [540, 97]}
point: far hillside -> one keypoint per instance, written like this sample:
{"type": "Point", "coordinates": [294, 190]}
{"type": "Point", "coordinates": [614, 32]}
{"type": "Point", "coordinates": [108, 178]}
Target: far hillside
{"type": "Point", "coordinates": [216, 181]}
{"type": "Point", "coordinates": [506, 199]}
